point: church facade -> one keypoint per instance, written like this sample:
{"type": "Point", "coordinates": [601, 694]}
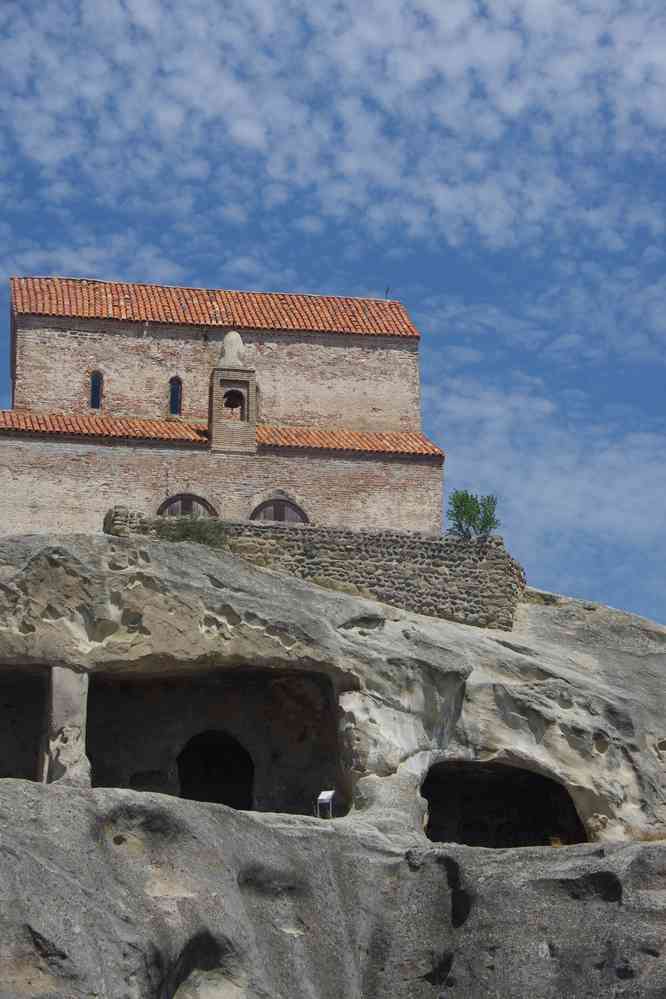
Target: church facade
{"type": "Point", "coordinates": [242, 405]}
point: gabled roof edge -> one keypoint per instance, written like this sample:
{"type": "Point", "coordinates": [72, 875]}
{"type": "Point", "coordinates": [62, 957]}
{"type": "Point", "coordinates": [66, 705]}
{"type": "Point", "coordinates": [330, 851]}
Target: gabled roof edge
{"type": "Point", "coordinates": [84, 298]}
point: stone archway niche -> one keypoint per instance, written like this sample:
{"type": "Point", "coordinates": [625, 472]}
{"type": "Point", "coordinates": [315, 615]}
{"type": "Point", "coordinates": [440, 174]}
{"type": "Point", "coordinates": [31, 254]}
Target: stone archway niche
{"type": "Point", "coordinates": [214, 766]}
{"type": "Point", "coordinates": [495, 805]}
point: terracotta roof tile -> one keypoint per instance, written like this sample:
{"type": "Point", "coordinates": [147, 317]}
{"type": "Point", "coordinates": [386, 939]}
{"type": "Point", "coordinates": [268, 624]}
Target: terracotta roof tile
{"type": "Point", "coordinates": [178, 431]}
{"type": "Point", "coordinates": [89, 299]}
{"type": "Point", "coordinates": [101, 426]}
{"type": "Point", "coordinates": [346, 440]}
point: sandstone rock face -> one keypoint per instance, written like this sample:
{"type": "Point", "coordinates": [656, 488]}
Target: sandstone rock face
{"type": "Point", "coordinates": [141, 896]}
{"type": "Point", "coordinates": [135, 646]}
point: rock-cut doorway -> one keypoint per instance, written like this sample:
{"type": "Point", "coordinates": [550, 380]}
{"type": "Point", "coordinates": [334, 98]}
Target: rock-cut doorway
{"type": "Point", "coordinates": [213, 766]}
{"type": "Point", "coordinates": [496, 805]}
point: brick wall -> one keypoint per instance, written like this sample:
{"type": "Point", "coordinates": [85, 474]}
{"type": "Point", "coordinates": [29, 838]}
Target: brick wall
{"type": "Point", "coordinates": [233, 429]}
{"type": "Point", "coordinates": [368, 383]}
{"type": "Point", "coordinates": [51, 485]}
{"type": "Point", "coordinates": [475, 582]}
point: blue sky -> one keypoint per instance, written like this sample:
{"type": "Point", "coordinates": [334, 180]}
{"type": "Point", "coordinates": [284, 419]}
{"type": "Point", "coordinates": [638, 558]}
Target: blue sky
{"type": "Point", "coordinates": [497, 164]}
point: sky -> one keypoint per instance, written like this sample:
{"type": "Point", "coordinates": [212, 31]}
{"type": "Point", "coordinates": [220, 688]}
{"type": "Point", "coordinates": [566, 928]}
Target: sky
{"type": "Point", "coordinates": [497, 165]}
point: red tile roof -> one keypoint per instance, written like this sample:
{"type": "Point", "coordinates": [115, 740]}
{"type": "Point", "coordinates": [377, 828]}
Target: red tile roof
{"type": "Point", "coordinates": [89, 299]}
{"type": "Point", "coordinates": [402, 442]}
{"type": "Point", "coordinates": [102, 426]}
{"type": "Point", "coordinates": [178, 431]}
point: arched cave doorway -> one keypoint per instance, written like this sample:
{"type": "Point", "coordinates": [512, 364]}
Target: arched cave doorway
{"type": "Point", "coordinates": [494, 805]}
{"type": "Point", "coordinates": [214, 766]}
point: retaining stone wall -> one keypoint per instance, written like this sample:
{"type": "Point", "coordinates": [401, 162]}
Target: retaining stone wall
{"type": "Point", "coordinates": [474, 582]}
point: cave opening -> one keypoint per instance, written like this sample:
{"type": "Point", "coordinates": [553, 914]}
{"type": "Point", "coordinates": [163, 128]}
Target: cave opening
{"type": "Point", "coordinates": [215, 767]}
{"type": "Point", "coordinates": [254, 739]}
{"type": "Point", "coordinates": [494, 805]}
{"type": "Point", "coordinates": [23, 698]}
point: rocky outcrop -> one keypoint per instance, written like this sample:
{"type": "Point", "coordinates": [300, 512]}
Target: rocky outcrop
{"type": "Point", "coordinates": [575, 693]}
{"type": "Point", "coordinates": [121, 895]}
{"type": "Point", "coordinates": [133, 645]}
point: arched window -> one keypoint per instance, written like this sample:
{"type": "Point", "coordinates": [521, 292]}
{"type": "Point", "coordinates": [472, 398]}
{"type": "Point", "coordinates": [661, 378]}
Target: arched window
{"type": "Point", "coordinates": [214, 766]}
{"type": "Point", "coordinates": [279, 509]}
{"type": "Point", "coordinates": [186, 505]}
{"type": "Point", "coordinates": [233, 405]}
{"type": "Point", "coordinates": [175, 396]}
{"type": "Point", "coordinates": [96, 389]}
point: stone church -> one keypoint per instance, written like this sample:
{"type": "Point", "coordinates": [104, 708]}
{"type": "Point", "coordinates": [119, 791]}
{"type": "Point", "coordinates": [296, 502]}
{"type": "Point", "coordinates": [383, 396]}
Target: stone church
{"type": "Point", "coordinates": [242, 405]}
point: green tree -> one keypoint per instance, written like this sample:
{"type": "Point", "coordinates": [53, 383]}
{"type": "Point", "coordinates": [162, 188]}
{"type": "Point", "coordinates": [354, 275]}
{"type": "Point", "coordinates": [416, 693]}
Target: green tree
{"type": "Point", "coordinates": [471, 515]}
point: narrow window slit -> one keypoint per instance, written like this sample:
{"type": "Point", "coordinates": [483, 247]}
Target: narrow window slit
{"type": "Point", "coordinates": [175, 396]}
{"type": "Point", "coordinates": [96, 388]}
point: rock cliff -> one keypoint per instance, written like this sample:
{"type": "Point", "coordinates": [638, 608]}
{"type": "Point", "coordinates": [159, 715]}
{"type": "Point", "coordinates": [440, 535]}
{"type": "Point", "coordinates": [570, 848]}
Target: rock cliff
{"type": "Point", "coordinates": [553, 733]}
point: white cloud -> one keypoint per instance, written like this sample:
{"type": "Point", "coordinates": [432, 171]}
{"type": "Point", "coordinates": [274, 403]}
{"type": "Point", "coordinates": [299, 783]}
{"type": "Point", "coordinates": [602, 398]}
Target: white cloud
{"type": "Point", "coordinates": [118, 257]}
{"type": "Point", "coordinates": [147, 138]}
{"type": "Point", "coordinates": [459, 356]}
{"type": "Point", "coordinates": [587, 312]}
{"type": "Point", "coordinates": [570, 494]}
{"type": "Point", "coordinates": [309, 224]}
{"type": "Point", "coordinates": [425, 109]}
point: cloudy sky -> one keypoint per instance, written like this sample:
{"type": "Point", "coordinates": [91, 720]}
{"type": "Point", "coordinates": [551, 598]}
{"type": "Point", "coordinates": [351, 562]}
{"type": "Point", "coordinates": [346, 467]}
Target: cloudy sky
{"type": "Point", "coordinates": [498, 165]}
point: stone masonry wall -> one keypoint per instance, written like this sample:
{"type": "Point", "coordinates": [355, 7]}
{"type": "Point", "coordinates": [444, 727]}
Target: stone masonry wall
{"type": "Point", "coordinates": [314, 379]}
{"type": "Point", "coordinates": [55, 485]}
{"type": "Point", "coordinates": [474, 582]}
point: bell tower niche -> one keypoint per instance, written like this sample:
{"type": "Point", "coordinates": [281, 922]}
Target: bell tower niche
{"type": "Point", "coordinates": [232, 417]}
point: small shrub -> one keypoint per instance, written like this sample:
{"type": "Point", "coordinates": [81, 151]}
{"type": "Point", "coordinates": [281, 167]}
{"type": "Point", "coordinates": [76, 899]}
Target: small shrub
{"type": "Point", "coordinates": [205, 531]}
{"type": "Point", "coordinates": [471, 515]}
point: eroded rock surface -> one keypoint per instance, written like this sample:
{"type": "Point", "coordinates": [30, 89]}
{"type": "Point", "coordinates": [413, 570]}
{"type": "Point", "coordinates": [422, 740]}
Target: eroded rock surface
{"type": "Point", "coordinates": [133, 894]}
{"type": "Point", "coordinates": [575, 693]}
{"type": "Point", "coordinates": [141, 896]}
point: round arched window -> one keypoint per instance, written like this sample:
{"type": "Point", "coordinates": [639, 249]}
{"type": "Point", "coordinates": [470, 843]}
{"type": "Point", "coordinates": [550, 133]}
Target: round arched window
{"type": "Point", "coordinates": [186, 505]}
{"type": "Point", "coordinates": [281, 510]}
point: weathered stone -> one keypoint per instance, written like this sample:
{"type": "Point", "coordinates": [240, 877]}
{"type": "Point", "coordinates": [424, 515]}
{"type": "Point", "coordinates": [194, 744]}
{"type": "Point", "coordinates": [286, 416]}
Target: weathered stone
{"type": "Point", "coordinates": [407, 571]}
{"type": "Point", "coordinates": [64, 752]}
{"type": "Point", "coordinates": [122, 895]}
{"type": "Point", "coordinates": [144, 895]}
{"type": "Point", "coordinates": [413, 690]}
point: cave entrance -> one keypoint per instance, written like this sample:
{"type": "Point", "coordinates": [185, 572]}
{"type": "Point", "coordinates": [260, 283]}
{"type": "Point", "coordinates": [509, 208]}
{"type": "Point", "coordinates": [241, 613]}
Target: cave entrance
{"type": "Point", "coordinates": [260, 739]}
{"type": "Point", "coordinates": [23, 697]}
{"type": "Point", "coordinates": [214, 766]}
{"type": "Point", "coordinates": [495, 805]}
